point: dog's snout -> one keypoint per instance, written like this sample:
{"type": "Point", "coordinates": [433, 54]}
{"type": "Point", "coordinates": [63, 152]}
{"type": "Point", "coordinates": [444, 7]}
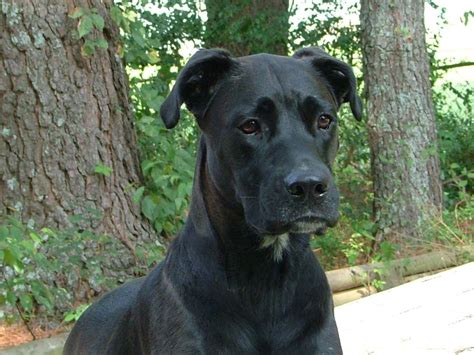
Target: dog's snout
{"type": "Point", "coordinates": [306, 184]}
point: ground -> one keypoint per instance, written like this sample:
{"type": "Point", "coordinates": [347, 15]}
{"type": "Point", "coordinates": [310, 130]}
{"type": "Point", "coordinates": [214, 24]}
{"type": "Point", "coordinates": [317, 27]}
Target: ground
{"type": "Point", "coordinates": [17, 333]}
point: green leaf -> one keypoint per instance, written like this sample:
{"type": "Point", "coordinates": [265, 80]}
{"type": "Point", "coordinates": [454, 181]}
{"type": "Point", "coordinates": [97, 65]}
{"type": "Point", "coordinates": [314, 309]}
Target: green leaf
{"type": "Point", "coordinates": [116, 15]}
{"type": "Point", "coordinates": [76, 218]}
{"type": "Point", "coordinates": [85, 26]}
{"type": "Point", "coordinates": [75, 314]}
{"type": "Point", "coordinates": [4, 232]}
{"type": "Point", "coordinates": [69, 317]}
{"type": "Point", "coordinates": [98, 21]}
{"type": "Point", "coordinates": [10, 258]}
{"type": "Point", "coordinates": [149, 208]}
{"type": "Point", "coordinates": [42, 294]}
{"type": "Point", "coordinates": [45, 302]}
{"type": "Point", "coordinates": [49, 232]}
{"type": "Point", "coordinates": [26, 302]}
{"type": "Point", "coordinates": [139, 37]}
{"type": "Point", "coordinates": [103, 170]}
{"type": "Point", "coordinates": [29, 246]}
{"type": "Point", "coordinates": [178, 202]}
{"type": "Point", "coordinates": [16, 233]}
{"type": "Point", "coordinates": [88, 48]}
{"type": "Point", "coordinates": [153, 57]}
{"type": "Point", "coordinates": [77, 12]}
{"type": "Point", "coordinates": [148, 164]}
{"type": "Point", "coordinates": [168, 227]}
{"type": "Point", "coordinates": [35, 237]}
{"type": "Point", "coordinates": [137, 196]}
{"type": "Point", "coordinates": [158, 227]}
{"type": "Point", "coordinates": [11, 297]}
{"type": "Point", "coordinates": [102, 43]}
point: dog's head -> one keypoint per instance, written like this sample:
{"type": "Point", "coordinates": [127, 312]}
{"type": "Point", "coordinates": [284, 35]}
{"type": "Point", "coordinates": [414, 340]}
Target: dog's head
{"type": "Point", "coordinates": [270, 123]}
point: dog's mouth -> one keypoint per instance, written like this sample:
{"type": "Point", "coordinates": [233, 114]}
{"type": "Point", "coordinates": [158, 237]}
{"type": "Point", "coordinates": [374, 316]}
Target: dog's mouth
{"type": "Point", "coordinates": [307, 224]}
{"type": "Point", "coordinates": [310, 225]}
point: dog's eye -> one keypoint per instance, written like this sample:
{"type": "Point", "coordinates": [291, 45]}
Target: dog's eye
{"type": "Point", "coordinates": [324, 121]}
{"type": "Point", "coordinates": [250, 127]}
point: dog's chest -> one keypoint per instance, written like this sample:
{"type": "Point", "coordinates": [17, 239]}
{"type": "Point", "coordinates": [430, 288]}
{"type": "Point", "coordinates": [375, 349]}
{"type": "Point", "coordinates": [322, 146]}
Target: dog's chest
{"type": "Point", "coordinates": [248, 336]}
{"type": "Point", "coordinates": [252, 323]}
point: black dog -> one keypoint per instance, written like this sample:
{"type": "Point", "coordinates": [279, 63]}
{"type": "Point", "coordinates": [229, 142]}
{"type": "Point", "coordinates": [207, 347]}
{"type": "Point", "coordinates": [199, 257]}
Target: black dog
{"type": "Point", "coordinates": [241, 278]}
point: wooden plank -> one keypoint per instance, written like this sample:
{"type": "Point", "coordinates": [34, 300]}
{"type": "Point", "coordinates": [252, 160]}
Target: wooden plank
{"type": "Point", "coordinates": [414, 277]}
{"type": "Point", "coordinates": [432, 315]}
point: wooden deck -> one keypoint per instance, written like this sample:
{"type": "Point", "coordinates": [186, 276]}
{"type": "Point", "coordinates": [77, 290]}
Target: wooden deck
{"type": "Point", "coordinates": [432, 315]}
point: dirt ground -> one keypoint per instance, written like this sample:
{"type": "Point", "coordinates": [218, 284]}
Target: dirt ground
{"type": "Point", "coordinates": [17, 334]}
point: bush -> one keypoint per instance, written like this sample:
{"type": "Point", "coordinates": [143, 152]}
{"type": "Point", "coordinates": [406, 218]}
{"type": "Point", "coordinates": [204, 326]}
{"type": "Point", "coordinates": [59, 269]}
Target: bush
{"type": "Point", "coordinates": [46, 272]}
{"type": "Point", "coordinates": [454, 108]}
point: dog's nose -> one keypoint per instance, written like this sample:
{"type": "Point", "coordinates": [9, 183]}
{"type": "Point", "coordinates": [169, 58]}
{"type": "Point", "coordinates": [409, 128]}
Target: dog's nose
{"type": "Point", "coordinates": [306, 184]}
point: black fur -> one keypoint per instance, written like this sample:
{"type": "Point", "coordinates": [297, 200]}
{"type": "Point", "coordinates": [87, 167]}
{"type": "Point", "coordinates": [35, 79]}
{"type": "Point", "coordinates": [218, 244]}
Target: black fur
{"type": "Point", "coordinates": [224, 288]}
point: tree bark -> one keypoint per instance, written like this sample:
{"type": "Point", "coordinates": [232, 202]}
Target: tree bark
{"type": "Point", "coordinates": [401, 120]}
{"type": "Point", "coordinates": [62, 114]}
{"type": "Point", "coordinates": [248, 26]}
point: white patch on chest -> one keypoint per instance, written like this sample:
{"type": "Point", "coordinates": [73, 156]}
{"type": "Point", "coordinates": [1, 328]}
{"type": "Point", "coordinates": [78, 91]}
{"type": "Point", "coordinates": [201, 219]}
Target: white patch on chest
{"type": "Point", "coordinates": [278, 243]}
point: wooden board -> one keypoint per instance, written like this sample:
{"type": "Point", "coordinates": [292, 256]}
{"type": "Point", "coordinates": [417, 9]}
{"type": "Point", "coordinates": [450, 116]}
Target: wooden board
{"type": "Point", "coordinates": [431, 315]}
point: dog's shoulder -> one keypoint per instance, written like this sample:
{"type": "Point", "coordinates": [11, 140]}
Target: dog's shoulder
{"type": "Point", "coordinates": [103, 321]}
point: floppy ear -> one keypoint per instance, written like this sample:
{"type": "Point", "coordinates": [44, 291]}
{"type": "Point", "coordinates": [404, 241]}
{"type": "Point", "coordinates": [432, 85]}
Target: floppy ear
{"type": "Point", "coordinates": [338, 74]}
{"type": "Point", "coordinates": [196, 84]}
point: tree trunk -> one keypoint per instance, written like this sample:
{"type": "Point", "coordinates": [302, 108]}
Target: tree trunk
{"type": "Point", "coordinates": [248, 26]}
{"type": "Point", "coordinates": [62, 115]}
{"type": "Point", "coordinates": [401, 120]}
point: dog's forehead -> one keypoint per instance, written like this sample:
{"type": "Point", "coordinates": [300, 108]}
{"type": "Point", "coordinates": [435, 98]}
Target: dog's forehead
{"type": "Point", "coordinates": [266, 61]}
{"type": "Point", "coordinates": [269, 75]}
{"type": "Point", "coordinates": [285, 80]}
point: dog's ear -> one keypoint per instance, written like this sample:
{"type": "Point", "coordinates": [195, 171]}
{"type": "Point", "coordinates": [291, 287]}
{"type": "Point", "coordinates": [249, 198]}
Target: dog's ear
{"type": "Point", "coordinates": [196, 84]}
{"type": "Point", "coordinates": [338, 74]}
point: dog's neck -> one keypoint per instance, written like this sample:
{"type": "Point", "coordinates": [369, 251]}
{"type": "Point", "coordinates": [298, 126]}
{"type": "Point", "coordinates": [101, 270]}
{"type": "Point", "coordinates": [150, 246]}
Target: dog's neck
{"type": "Point", "coordinates": [246, 255]}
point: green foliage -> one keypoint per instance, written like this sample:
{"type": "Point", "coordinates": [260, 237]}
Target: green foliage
{"type": "Point", "coordinates": [46, 271]}
{"type": "Point", "coordinates": [76, 313]}
{"type": "Point", "coordinates": [88, 20]}
{"type": "Point", "coordinates": [377, 282]}
{"type": "Point", "coordinates": [325, 25]}
{"type": "Point", "coordinates": [18, 286]}
{"type": "Point", "coordinates": [78, 12]}
{"type": "Point", "coordinates": [152, 39]}
{"type": "Point", "coordinates": [349, 243]}
{"type": "Point", "coordinates": [455, 109]}
{"type": "Point", "coordinates": [467, 16]}
{"type": "Point", "coordinates": [168, 170]}
{"type": "Point", "coordinates": [103, 170]}
{"type": "Point", "coordinates": [243, 27]}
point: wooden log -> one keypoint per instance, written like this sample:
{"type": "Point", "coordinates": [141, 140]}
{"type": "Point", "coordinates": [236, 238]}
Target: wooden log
{"type": "Point", "coordinates": [343, 297]}
{"type": "Point", "coordinates": [350, 277]}
{"type": "Point", "coordinates": [356, 276]}
{"type": "Point", "coordinates": [354, 294]}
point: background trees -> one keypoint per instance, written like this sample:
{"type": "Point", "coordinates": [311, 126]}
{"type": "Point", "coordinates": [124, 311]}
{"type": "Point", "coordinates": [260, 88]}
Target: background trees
{"type": "Point", "coordinates": [68, 146]}
{"type": "Point", "coordinates": [68, 154]}
{"type": "Point", "coordinates": [242, 26]}
{"type": "Point", "coordinates": [401, 119]}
